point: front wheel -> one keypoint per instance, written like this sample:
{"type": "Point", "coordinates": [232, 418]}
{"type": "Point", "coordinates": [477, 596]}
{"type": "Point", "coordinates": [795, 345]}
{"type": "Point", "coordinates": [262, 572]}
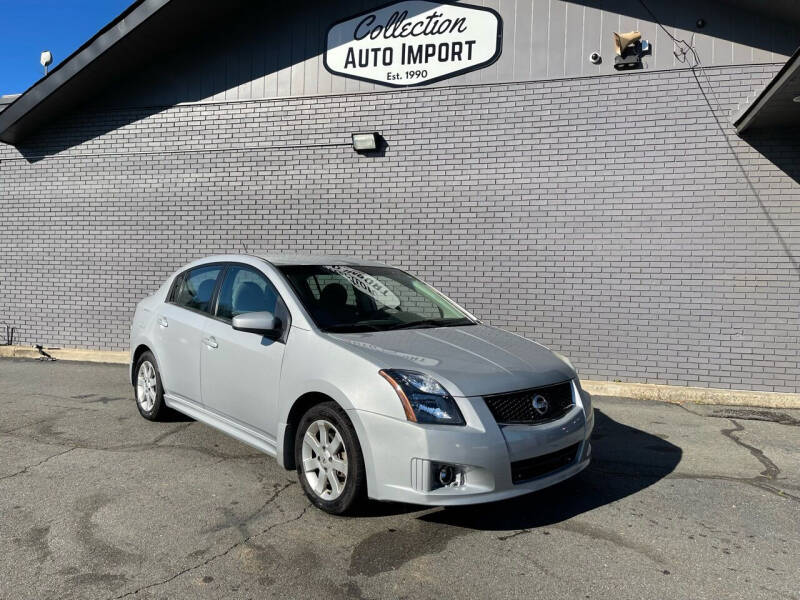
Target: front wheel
{"type": "Point", "coordinates": [329, 461]}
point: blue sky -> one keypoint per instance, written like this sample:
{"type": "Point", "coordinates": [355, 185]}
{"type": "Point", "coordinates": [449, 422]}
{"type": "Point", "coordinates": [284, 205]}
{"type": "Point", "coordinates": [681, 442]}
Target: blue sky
{"type": "Point", "coordinates": [29, 26]}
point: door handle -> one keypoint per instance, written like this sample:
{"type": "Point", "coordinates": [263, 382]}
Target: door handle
{"type": "Point", "coordinates": [211, 342]}
{"type": "Point", "coordinates": [163, 321]}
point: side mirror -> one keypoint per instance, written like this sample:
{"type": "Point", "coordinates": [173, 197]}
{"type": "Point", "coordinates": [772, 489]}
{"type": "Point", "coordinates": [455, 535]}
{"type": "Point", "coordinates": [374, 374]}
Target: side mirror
{"type": "Point", "coordinates": [263, 323]}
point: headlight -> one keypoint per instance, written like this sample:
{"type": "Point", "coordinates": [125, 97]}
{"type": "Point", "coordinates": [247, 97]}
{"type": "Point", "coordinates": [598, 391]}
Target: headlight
{"type": "Point", "coordinates": [424, 399]}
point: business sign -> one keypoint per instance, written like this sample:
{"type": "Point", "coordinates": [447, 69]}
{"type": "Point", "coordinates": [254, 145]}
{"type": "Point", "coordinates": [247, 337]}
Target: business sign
{"type": "Point", "coordinates": [414, 42]}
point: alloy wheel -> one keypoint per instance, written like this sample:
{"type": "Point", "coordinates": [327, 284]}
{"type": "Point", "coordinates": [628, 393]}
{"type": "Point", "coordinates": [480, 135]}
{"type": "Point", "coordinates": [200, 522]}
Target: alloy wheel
{"type": "Point", "coordinates": [146, 386]}
{"type": "Point", "coordinates": [324, 460]}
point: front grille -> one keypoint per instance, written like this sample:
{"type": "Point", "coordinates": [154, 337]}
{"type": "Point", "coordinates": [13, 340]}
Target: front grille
{"type": "Point", "coordinates": [518, 407]}
{"type": "Point", "coordinates": [530, 468]}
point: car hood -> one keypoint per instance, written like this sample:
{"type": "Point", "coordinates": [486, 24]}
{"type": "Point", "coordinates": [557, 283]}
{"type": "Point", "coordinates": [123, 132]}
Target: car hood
{"type": "Point", "coordinates": [473, 360]}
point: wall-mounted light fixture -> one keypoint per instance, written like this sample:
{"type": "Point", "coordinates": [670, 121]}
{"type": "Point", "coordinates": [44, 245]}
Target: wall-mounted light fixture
{"type": "Point", "coordinates": [46, 59]}
{"type": "Point", "coordinates": [365, 142]}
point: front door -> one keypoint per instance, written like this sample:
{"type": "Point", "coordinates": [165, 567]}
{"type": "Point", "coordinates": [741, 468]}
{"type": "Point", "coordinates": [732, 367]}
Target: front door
{"type": "Point", "coordinates": [241, 370]}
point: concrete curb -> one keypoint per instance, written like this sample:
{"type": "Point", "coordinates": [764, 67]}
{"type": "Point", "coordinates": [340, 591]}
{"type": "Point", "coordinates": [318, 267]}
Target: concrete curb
{"type": "Point", "coordinates": [676, 394]}
{"type": "Point", "coordinates": [98, 356]}
{"type": "Point", "coordinates": [673, 394]}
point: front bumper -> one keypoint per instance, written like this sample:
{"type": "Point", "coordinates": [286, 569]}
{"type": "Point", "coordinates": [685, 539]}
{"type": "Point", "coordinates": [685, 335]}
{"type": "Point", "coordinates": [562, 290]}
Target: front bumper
{"type": "Point", "coordinates": [401, 456]}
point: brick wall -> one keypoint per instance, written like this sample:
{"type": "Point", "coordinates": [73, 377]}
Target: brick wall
{"type": "Point", "coordinates": [608, 218]}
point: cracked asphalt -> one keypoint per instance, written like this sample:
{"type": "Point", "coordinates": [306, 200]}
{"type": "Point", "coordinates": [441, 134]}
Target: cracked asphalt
{"type": "Point", "coordinates": [682, 501]}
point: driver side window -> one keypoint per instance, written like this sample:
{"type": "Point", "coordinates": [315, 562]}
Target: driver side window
{"type": "Point", "coordinates": [244, 290]}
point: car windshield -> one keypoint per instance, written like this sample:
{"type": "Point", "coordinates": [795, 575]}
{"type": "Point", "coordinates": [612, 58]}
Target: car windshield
{"type": "Point", "coordinates": [348, 299]}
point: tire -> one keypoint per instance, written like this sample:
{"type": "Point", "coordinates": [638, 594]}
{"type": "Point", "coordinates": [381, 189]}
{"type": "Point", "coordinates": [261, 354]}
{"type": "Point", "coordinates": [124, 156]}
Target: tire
{"type": "Point", "coordinates": [148, 389]}
{"type": "Point", "coordinates": [333, 453]}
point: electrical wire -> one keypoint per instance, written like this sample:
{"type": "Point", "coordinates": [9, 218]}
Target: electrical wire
{"type": "Point", "coordinates": [681, 50]}
{"type": "Point", "coordinates": [34, 157]}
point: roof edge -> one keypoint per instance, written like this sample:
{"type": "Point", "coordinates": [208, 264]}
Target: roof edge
{"type": "Point", "coordinates": [133, 16]}
{"type": "Point", "coordinates": [745, 118]}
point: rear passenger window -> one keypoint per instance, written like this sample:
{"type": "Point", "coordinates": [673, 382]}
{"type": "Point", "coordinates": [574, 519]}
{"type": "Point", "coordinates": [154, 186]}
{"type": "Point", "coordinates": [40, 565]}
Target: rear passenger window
{"type": "Point", "coordinates": [197, 287]}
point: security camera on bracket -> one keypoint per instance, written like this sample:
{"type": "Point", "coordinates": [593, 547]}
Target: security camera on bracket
{"type": "Point", "coordinates": [630, 47]}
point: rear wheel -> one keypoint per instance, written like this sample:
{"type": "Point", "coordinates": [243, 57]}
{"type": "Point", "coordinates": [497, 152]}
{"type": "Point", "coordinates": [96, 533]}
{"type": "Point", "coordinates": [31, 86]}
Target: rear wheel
{"type": "Point", "coordinates": [149, 392]}
{"type": "Point", "coordinates": [329, 460]}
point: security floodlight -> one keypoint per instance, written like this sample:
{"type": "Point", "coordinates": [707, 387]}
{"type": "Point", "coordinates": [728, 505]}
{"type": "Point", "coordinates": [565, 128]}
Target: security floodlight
{"type": "Point", "coordinates": [365, 142]}
{"type": "Point", "coordinates": [46, 60]}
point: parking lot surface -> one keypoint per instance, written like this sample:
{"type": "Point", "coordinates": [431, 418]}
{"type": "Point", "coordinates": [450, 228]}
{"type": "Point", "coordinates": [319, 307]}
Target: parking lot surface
{"type": "Point", "coordinates": [680, 502]}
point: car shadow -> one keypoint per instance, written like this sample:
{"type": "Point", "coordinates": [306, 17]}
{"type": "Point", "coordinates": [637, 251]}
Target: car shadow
{"type": "Point", "coordinates": [173, 416]}
{"type": "Point", "coordinates": [625, 460]}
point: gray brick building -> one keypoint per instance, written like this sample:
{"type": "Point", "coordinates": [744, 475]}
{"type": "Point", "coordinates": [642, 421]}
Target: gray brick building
{"type": "Point", "coordinates": [644, 221]}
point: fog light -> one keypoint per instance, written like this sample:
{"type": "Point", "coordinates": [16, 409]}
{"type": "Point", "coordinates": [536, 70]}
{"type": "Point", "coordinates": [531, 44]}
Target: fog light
{"type": "Point", "coordinates": [446, 475]}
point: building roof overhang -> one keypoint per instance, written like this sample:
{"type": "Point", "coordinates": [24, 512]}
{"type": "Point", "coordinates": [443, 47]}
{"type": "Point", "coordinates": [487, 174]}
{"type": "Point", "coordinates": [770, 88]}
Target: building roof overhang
{"type": "Point", "coordinates": [146, 29]}
{"type": "Point", "coordinates": [778, 104]}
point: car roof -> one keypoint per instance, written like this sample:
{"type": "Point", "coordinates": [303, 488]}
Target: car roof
{"type": "Point", "coordinates": [317, 259]}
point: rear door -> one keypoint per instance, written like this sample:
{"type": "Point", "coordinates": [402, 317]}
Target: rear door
{"type": "Point", "coordinates": [241, 370]}
{"type": "Point", "coordinates": [179, 330]}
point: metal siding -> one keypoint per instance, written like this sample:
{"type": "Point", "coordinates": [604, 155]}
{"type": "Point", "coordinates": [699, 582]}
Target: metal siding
{"type": "Point", "coordinates": [314, 49]}
{"type": "Point", "coordinates": [283, 49]}
{"type": "Point", "coordinates": [539, 43]}
{"type": "Point", "coordinates": [610, 24]}
{"type": "Point", "coordinates": [592, 38]}
{"type": "Point", "coordinates": [764, 27]}
{"type": "Point", "coordinates": [299, 35]}
{"type": "Point", "coordinates": [722, 49]}
{"type": "Point", "coordinates": [573, 40]}
{"type": "Point", "coordinates": [556, 38]}
{"type": "Point", "coordinates": [785, 30]}
{"type": "Point", "coordinates": [505, 66]}
{"type": "Point", "coordinates": [742, 53]}
{"type": "Point", "coordinates": [493, 72]}
{"type": "Point", "coordinates": [474, 76]}
{"type": "Point", "coordinates": [523, 20]}
{"type": "Point", "coordinates": [703, 41]}
{"type": "Point", "coordinates": [267, 54]}
{"type": "Point", "coordinates": [662, 45]}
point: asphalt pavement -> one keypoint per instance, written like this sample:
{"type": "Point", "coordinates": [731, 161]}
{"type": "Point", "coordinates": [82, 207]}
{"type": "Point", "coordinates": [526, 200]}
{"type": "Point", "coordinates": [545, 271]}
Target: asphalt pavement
{"type": "Point", "coordinates": [681, 501]}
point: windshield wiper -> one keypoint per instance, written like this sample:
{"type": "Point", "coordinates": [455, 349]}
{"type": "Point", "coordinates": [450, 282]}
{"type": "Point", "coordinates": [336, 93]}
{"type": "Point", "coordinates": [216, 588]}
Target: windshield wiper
{"type": "Point", "coordinates": [431, 323]}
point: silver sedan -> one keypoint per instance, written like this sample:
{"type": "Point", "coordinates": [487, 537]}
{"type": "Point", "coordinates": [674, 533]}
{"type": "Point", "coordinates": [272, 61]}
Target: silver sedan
{"type": "Point", "coordinates": [367, 381]}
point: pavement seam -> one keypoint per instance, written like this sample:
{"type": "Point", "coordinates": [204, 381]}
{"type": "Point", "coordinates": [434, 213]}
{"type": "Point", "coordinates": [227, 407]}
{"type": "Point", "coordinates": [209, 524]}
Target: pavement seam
{"type": "Point", "coordinates": [41, 462]}
{"type": "Point", "coordinates": [762, 480]}
{"type": "Point", "coordinates": [599, 533]}
{"type": "Point", "coordinates": [756, 482]}
{"type": "Point", "coordinates": [224, 552]}
{"type": "Point", "coordinates": [782, 418]}
{"type": "Point", "coordinates": [503, 538]}
{"type": "Point", "coordinates": [771, 470]}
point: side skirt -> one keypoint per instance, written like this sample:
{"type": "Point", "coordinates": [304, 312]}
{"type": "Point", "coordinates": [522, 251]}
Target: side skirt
{"type": "Point", "coordinates": [249, 436]}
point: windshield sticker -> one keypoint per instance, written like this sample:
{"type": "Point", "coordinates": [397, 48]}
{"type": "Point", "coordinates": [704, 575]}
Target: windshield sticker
{"type": "Point", "coordinates": [369, 285]}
